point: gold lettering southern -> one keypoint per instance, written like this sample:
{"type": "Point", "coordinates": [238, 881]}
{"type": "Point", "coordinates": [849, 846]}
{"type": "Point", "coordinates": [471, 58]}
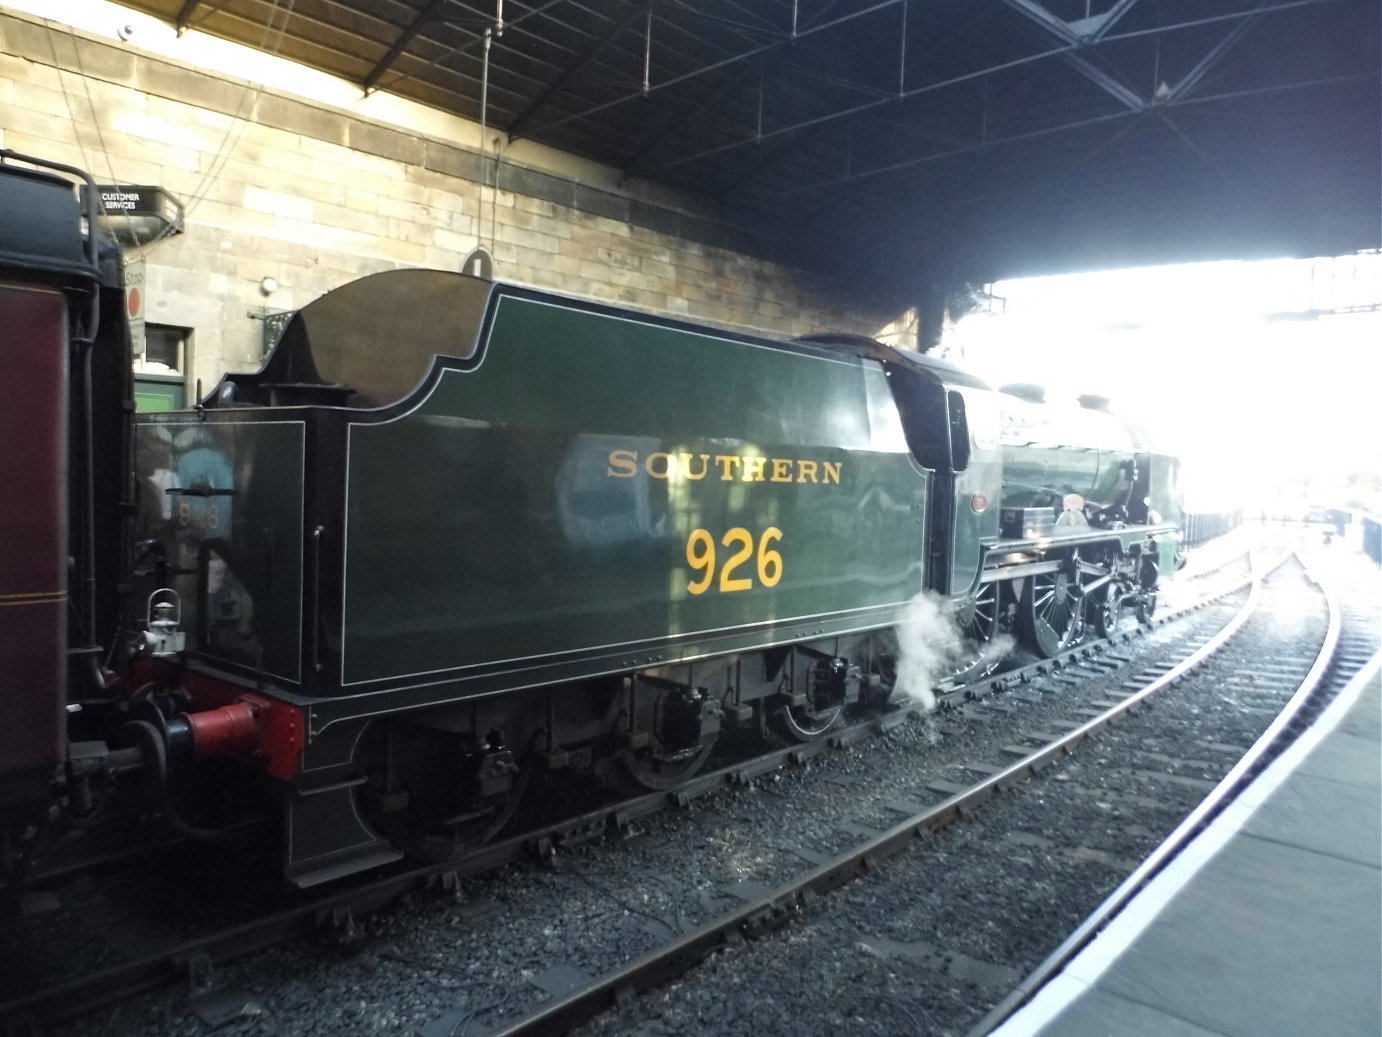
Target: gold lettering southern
{"type": "Point", "coordinates": [626, 464]}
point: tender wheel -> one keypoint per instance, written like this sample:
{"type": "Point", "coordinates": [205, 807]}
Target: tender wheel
{"type": "Point", "coordinates": [805, 724]}
{"type": "Point", "coordinates": [977, 620]}
{"type": "Point", "coordinates": [675, 731]}
{"type": "Point", "coordinates": [436, 796]}
{"type": "Point", "coordinates": [651, 770]}
{"type": "Point", "coordinates": [1049, 613]}
{"type": "Point", "coordinates": [822, 711]}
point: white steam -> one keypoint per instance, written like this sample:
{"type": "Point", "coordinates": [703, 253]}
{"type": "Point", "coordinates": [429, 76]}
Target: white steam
{"type": "Point", "coordinates": [932, 648]}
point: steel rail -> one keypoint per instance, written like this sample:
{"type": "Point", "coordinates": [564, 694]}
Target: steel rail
{"type": "Point", "coordinates": [793, 899]}
{"type": "Point", "coordinates": [1262, 752]}
{"type": "Point", "coordinates": [84, 994]}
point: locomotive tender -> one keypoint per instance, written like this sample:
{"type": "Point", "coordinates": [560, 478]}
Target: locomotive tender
{"type": "Point", "coordinates": [455, 532]}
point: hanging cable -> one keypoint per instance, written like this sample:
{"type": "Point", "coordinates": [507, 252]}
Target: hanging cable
{"type": "Point", "coordinates": [239, 121]}
{"type": "Point", "coordinates": [648, 52]}
{"type": "Point", "coordinates": [91, 103]}
{"type": "Point", "coordinates": [484, 146]}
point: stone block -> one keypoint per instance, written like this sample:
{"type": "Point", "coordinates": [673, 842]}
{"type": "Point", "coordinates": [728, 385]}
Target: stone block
{"type": "Point", "coordinates": [386, 143]}
{"type": "Point", "coordinates": [434, 181]}
{"type": "Point", "coordinates": [191, 88]}
{"type": "Point", "coordinates": [337, 154]}
{"type": "Point", "coordinates": [23, 69]}
{"type": "Point", "coordinates": [655, 218]}
{"type": "Point", "coordinates": [210, 214]}
{"type": "Point", "coordinates": [537, 207]}
{"type": "Point", "coordinates": [453, 162]}
{"type": "Point", "coordinates": [635, 279]}
{"type": "Point", "coordinates": [580, 248]}
{"type": "Point", "coordinates": [291, 206]}
{"type": "Point", "coordinates": [51, 126]}
{"type": "Point", "coordinates": [41, 98]}
{"type": "Point", "coordinates": [449, 201]}
{"type": "Point", "coordinates": [401, 190]}
{"type": "Point", "coordinates": [592, 271]}
{"type": "Point", "coordinates": [531, 239]}
{"type": "Point", "coordinates": [338, 239]}
{"type": "Point", "coordinates": [103, 61]}
{"type": "Point", "coordinates": [617, 258]}
{"type": "Point", "coordinates": [303, 119]}
{"type": "Point", "coordinates": [459, 242]}
{"type": "Point", "coordinates": [407, 252]}
{"type": "Point", "coordinates": [612, 207]}
{"type": "Point", "coordinates": [436, 258]}
{"type": "Point", "coordinates": [190, 115]}
{"type": "Point", "coordinates": [141, 136]}
{"type": "Point", "coordinates": [564, 267]}
{"type": "Point", "coordinates": [361, 201]}
{"type": "Point", "coordinates": [533, 257]}
{"type": "Point", "coordinates": [365, 223]}
{"type": "Point", "coordinates": [38, 42]}
{"type": "Point", "coordinates": [401, 230]}
{"type": "Point", "coordinates": [688, 290]}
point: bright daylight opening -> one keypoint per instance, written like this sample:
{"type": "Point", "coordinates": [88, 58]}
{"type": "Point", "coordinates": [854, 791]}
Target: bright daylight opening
{"type": "Point", "coordinates": [1261, 376]}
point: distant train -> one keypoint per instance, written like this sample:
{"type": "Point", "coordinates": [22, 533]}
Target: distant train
{"type": "Point", "coordinates": [456, 532]}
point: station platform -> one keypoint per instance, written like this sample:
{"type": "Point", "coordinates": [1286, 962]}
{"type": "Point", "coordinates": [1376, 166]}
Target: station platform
{"type": "Point", "coordinates": [1269, 924]}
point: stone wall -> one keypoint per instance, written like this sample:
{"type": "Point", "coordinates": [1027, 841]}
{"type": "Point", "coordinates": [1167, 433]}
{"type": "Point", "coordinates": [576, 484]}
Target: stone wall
{"type": "Point", "coordinates": [276, 186]}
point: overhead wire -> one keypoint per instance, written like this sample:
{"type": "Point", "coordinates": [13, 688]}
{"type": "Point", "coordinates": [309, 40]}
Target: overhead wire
{"type": "Point", "coordinates": [87, 163]}
{"type": "Point", "coordinates": [239, 122]}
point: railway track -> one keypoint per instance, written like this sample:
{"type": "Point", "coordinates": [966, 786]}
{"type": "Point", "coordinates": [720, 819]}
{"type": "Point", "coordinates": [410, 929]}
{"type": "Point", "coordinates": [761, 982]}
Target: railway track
{"type": "Point", "coordinates": [1346, 651]}
{"type": "Point", "coordinates": [340, 911]}
{"type": "Point", "coordinates": [1014, 828]}
{"type": "Point", "coordinates": [797, 897]}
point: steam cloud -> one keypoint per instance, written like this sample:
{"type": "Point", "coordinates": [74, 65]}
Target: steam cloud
{"type": "Point", "coordinates": [931, 648]}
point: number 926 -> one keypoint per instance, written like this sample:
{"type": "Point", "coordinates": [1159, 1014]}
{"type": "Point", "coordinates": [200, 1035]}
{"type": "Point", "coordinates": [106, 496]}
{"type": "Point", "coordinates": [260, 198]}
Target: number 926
{"type": "Point", "coordinates": [701, 556]}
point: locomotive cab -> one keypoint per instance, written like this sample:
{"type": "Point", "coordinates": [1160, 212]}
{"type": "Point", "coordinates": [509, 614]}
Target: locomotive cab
{"type": "Point", "coordinates": [950, 419]}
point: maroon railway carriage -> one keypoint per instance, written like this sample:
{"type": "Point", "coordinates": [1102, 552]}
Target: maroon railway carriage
{"type": "Point", "coordinates": [49, 287]}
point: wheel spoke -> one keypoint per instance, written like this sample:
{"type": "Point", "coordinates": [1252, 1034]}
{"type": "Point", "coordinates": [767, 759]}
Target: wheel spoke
{"type": "Point", "coordinates": [1050, 611]}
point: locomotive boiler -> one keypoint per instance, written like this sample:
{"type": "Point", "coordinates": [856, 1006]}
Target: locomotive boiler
{"type": "Point", "coordinates": [456, 533]}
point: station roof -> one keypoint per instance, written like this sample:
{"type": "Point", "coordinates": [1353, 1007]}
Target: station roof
{"type": "Point", "coordinates": [949, 139]}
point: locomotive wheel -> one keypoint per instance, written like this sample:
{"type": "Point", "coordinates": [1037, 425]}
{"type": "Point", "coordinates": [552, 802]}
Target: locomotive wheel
{"type": "Point", "coordinates": [1106, 610]}
{"type": "Point", "coordinates": [1146, 607]}
{"type": "Point", "coordinates": [1049, 613]}
{"type": "Point", "coordinates": [977, 620]}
